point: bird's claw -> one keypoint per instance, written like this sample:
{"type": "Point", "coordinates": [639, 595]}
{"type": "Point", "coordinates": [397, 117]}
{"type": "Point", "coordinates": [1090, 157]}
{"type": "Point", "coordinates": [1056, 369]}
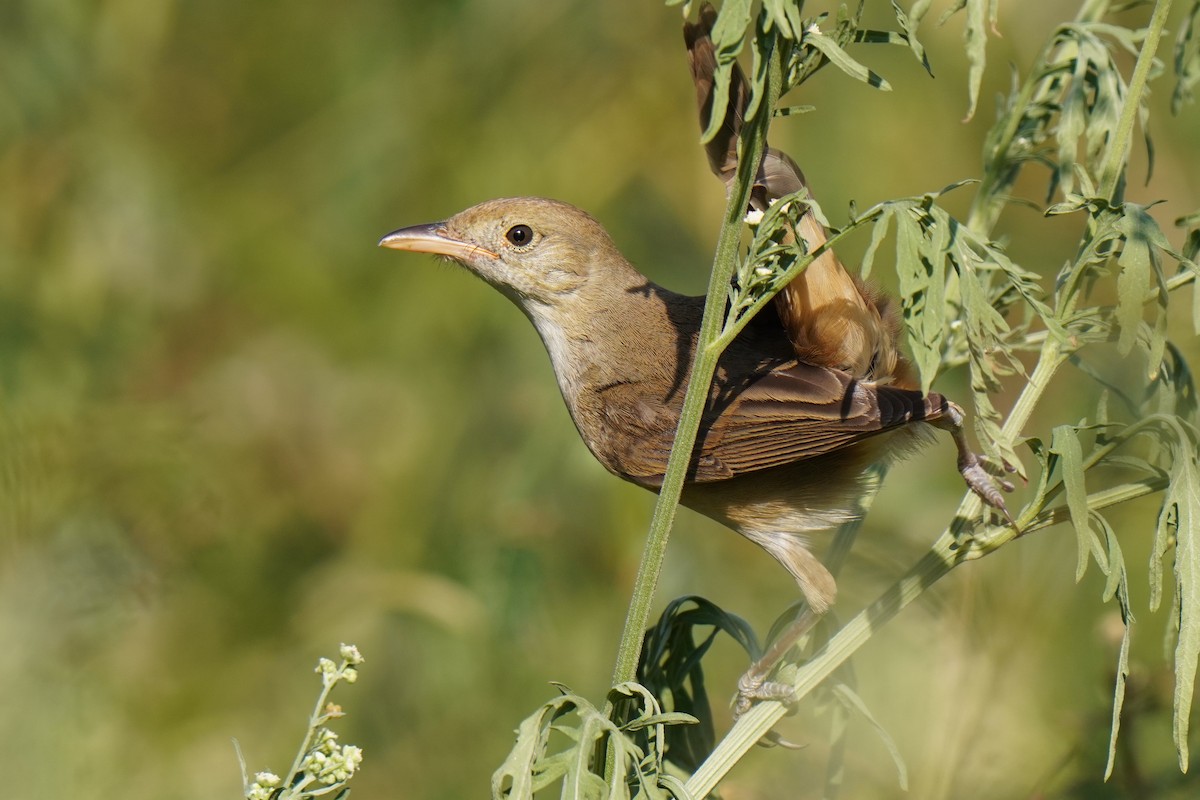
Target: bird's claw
{"type": "Point", "coordinates": [982, 474]}
{"type": "Point", "coordinates": [753, 687]}
{"type": "Point", "coordinates": [983, 484]}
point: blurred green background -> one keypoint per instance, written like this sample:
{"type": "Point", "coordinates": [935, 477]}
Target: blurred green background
{"type": "Point", "coordinates": [233, 433]}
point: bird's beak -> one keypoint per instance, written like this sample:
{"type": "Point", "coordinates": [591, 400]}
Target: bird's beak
{"type": "Point", "coordinates": [432, 238]}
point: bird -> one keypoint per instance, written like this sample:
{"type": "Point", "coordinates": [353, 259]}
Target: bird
{"type": "Point", "coordinates": [783, 445]}
{"type": "Point", "coordinates": [809, 396]}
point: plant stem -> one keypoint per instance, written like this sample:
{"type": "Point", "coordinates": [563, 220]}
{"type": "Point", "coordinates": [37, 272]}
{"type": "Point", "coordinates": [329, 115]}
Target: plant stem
{"type": "Point", "coordinates": [753, 142]}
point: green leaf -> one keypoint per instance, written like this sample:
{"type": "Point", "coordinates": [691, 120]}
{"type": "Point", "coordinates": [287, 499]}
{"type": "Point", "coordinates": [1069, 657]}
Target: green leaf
{"type": "Point", "coordinates": [788, 111]}
{"type": "Point", "coordinates": [777, 14]}
{"type": "Point", "coordinates": [1187, 60]}
{"type": "Point", "coordinates": [980, 13]}
{"type": "Point", "coordinates": [879, 232]}
{"type": "Point", "coordinates": [1141, 269]}
{"type": "Point", "coordinates": [922, 286]}
{"type": "Point", "coordinates": [842, 60]}
{"type": "Point", "coordinates": [1191, 253]}
{"type": "Point", "coordinates": [518, 776]}
{"type": "Point", "coordinates": [1122, 671]}
{"type": "Point", "coordinates": [908, 24]}
{"type": "Point", "coordinates": [728, 36]}
{"type": "Point", "coordinates": [1181, 508]}
{"type": "Point", "coordinates": [1065, 444]}
{"type": "Point", "coordinates": [850, 699]}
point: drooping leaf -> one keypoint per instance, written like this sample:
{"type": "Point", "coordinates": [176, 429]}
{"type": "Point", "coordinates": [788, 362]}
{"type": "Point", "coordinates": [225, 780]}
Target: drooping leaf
{"type": "Point", "coordinates": [1117, 586]}
{"type": "Point", "coordinates": [850, 699]}
{"type": "Point", "coordinates": [1141, 270]}
{"type": "Point", "coordinates": [980, 14]}
{"type": "Point", "coordinates": [1187, 59]}
{"type": "Point", "coordinates": [729, 37]}
{"type": "Point", "coordinates": [1181, 507]}
{"type": "Point", "coordinates": [1065, 444]}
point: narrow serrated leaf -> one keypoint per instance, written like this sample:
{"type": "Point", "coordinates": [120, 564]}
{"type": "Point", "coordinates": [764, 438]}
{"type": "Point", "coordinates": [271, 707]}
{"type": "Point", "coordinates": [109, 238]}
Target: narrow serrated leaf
{"type": "Point", "coordinates": [1131, 288]}
{"type": "Point", "coordinates": [728, 37]}
{"type": "Point", "coordinates": [923, 315]}
{"type": "Point", "coordinates": [1065, 442]}
{"type": "Point", "coordinates": [1183, 494]}
{"type": "Point", "coordinates": [1119, 692]}
{"type": "Point", "coordinates": [842, 60]}
{"type": "Point", "coordinates": [879, 231]}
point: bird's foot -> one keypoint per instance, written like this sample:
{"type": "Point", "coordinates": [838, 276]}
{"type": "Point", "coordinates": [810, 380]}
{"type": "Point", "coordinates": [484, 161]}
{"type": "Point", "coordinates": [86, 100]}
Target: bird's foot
{"type": "Point", "coordinates": [753, 687]}
{"type": "Point", "coordinates": [983, 475]}
{"type": "Point", "coordinates": [982, 480]}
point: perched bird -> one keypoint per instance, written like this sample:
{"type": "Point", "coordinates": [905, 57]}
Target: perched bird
{"type": "Point", "coordinates": [813, 392]}
{"type": "Point", "coordinates": [783, 444]}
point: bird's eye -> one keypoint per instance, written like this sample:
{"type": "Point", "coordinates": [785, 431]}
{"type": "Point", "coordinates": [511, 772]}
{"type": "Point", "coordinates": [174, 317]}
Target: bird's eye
{"type": "Point", "coordinates": [519, 235]}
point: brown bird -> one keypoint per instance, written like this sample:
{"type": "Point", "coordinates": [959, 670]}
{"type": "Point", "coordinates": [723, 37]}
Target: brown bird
{"type": "Point", "coordinates": [783, 445]}
{"type": "Point", "coordinates": [812, 393]}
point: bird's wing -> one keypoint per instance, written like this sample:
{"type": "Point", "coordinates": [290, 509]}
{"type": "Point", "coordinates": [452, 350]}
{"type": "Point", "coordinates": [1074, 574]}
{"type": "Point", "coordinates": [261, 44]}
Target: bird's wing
{"type": "Point", "coordinates": [795, 412]}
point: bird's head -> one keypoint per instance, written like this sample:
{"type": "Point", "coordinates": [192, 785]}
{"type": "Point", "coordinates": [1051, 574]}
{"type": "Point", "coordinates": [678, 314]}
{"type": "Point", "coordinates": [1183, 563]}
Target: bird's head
{"type": "Point", "coordinates": [536, 251]}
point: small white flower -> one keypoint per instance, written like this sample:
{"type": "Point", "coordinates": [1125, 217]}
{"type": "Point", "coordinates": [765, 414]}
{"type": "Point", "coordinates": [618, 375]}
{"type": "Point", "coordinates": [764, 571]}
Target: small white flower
{"type": "Point", "coordinates": [326, 741]}
{"type": "Point", "coordinates": [314, 762]}
{"type": "Point", "coordinates": [353, 756]}
{"type": "Point", "coordinates": [349, 674]}
{"type": "Point", "coordinates": [263, 787]}
{"type": "Point", "coordinates": [754, 216]}
{"type": "Point", "coordinates": [267, 779]}
{"type": "Point", "coordinates": [350, 654]}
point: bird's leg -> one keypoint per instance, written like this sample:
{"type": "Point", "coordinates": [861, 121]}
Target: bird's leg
{"type": "Point", "coordinates": [819, 590]}
{"type": "Point", "coordinates": [972, 467]}
{"type": "Point", "coordinates": [753, 686]}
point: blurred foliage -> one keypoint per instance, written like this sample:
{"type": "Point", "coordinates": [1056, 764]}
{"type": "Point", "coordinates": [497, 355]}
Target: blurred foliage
{"type": "Point", "coordinates": [232, 434]}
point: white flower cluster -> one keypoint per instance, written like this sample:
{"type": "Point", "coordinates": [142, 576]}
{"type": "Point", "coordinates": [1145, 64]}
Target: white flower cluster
{"type": "Point", "coordinates": [331, 673]}
{"type": "Point", "coordinates": [324, 761]}
{"type": "Point", "coordinates": [265, 783]}
{"type": "Point", "coordinates": [330, 762]}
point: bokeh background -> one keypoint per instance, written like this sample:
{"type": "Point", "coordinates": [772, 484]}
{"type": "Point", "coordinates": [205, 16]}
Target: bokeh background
{"type": "Point", "coordinates": [233, 433]}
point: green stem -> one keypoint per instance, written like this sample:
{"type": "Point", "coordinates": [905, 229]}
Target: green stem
{"type": "Point", "coordinates": [315, 720]}
{"type": "Point", "coordinates": [753, 142]}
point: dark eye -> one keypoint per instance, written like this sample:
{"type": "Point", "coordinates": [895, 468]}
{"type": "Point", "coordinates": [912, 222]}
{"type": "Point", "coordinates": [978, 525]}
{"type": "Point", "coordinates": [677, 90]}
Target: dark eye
{"type": "Point", "coordinates": [519, 235]}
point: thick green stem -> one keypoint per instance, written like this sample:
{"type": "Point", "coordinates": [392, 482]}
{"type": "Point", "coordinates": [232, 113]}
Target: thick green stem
{"type": "Point", "coordinates": [753, 142]}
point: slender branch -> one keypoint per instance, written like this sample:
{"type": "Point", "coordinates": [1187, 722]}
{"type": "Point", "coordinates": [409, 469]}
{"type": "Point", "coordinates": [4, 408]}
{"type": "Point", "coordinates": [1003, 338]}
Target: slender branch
{"type": "Point", "coordinates": [753, 142]}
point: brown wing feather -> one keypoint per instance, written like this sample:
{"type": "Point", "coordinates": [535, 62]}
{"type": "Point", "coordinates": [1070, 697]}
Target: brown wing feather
{"type": "Point", "coordinates": [794, 413]}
